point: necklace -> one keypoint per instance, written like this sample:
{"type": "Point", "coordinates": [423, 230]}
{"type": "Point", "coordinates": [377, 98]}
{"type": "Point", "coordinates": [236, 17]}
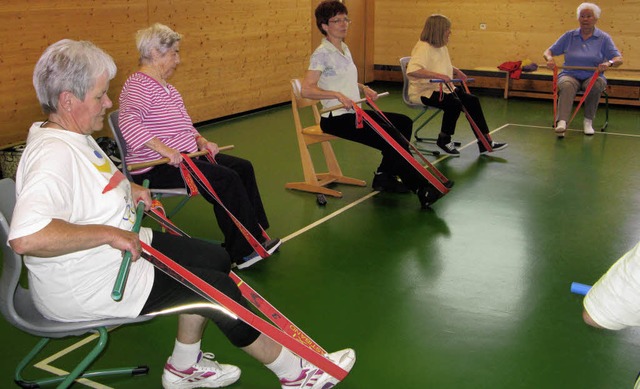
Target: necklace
{"type": "Point", "coordinates": [52, 122]}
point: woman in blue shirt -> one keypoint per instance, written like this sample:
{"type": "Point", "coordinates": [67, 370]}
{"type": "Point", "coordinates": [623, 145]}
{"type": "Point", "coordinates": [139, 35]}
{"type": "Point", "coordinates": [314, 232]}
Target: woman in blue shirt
{"type": "Point", "coordinates": [586, 46]}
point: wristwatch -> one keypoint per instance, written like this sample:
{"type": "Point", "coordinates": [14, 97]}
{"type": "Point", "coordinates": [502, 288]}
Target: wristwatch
{"type": "Point", "coordinates": [611, 62]}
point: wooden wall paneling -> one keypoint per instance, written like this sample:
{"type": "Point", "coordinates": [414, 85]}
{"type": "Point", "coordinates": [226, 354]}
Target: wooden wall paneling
{"type": "Point", "coordinates": [236, 56]}
{"type": "Point", "coordinates": [516, 29]}
{"type": "Point", "coordinates": [370, 42]}
{"type": "Point", "coordinates": [239, 56]}
{"type": "Point", "coordinates": [27, 28]}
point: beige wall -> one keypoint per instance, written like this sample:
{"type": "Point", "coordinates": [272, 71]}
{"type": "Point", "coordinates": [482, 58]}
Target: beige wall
{"type": "Point", "coordinates": [238, 56]}
{"type": "Point", "coordinates": [516, 29]}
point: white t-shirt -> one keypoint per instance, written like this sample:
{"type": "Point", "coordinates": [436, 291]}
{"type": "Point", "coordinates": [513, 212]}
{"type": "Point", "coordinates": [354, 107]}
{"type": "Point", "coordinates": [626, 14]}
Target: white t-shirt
{"type": "Point", "coordinates": [339, 73]}
{"type": "Point", "coordinates": [434, 59]}
{"type": "Point", "coordinates": [62, 175]}
{"type": "Point", "coordinates": [614, 301]}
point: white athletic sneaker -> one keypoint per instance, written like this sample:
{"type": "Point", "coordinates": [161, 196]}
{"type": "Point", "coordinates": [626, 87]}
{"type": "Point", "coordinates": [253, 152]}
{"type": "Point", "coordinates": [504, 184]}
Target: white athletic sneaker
{"type": "Point", "coordinates": [312, 377]}
{"type": "Point", "coordinates": [588, 127]}
{"type": "Point", "coordinates": [561, 128]}
{"type": "Point", "coordinates": [206, 373]}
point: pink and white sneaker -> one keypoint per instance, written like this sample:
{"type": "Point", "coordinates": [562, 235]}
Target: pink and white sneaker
{"type": "Point", "coordinates": [205, 373]}
{"type": "Point", "coordinates": [312, 377]}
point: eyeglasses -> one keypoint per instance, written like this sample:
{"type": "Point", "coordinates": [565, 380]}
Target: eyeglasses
{"type": "Point", "coordinates": [339, 21]}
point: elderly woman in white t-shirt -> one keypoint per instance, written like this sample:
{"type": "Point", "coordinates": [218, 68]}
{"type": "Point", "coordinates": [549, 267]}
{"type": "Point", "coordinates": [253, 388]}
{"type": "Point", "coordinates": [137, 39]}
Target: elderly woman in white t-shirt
{"type": "Point", "coordinates": [74, 217]}
{"type": "Point", "coordinates": [430, 60]}
{"type": "Point", "coordinates": [332, 77]}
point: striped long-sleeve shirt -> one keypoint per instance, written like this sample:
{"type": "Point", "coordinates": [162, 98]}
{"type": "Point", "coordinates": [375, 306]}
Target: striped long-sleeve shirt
{"type": "Point", "coordinates": [149, 110]}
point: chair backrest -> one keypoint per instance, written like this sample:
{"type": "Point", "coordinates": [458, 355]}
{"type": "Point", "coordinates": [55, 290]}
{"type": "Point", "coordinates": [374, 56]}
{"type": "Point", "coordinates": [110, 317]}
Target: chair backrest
{"type": "Point", "coordinates": [301, 102]}
{"type": "Point", "coordinates": [122, 146]}
{"type": "Point", "coordinates": [404, 62]}
{"type": "Point", "coordinates": [12, 263]}
{"type": "Point", "coordinates": [117, 135]}
{"type": "Point", "coordinates": [297, 102]}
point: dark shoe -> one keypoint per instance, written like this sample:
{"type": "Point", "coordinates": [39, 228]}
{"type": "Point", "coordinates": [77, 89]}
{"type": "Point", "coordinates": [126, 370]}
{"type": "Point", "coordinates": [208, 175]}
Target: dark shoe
{"type": "Point", "coordinates": [385, 182]}
{"type": "Point", "coordinates": [496, 146]}
{"type": "Point", "coordinates": [448, 148]}
{"type": "Point", "coordinates": [427, 196]}
{"type": "Point", "coordinates": [270, 246]}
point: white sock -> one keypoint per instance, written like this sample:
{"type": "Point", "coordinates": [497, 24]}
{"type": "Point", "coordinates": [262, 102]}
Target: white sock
{"type": "Point", "coordinates": [184, 355]}
{"type": "Point", "coordinates": [588, 123]}
{"type": "Point", "coordinates": [561, 124]}
{"type": "Point", "coordinates": [288, 365]}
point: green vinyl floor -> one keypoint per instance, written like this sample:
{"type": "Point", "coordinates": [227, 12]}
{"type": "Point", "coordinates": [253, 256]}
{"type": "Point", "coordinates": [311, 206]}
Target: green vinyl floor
{"type": "Point", "coordinates": [472, 294]}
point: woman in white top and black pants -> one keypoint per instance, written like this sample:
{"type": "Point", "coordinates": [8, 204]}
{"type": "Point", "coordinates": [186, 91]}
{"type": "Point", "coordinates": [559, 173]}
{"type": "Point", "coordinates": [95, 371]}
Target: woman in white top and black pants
{"type": "Point", "coordinates": [332, 77]}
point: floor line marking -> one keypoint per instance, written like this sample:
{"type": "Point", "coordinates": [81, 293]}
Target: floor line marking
{"type": "Point", "coordinates": [329, 216]}
{"type": "Point", "coordinates": [574, 130]}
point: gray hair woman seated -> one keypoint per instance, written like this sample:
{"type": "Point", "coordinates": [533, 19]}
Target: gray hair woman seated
{"type": "Point", "coordinates": [74, 217]}
{"type": "Point", "coordinates": [586, 46]}
{"type": "Point", "coordinates": [155, 124]}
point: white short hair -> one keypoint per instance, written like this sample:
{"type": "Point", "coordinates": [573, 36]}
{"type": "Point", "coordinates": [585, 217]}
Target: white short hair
{"type": "Point", "coordinates": [596, 10]}
{"type": "Point", "coordinates": [158, 37]}
{"type": "Point", "coordinates": [69, 65]}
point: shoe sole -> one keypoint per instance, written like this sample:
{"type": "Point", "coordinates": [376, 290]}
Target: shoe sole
{"type": "Point", "coordinates": [257, 259]}
{"type": "Point", "coordinates": [226, 381]}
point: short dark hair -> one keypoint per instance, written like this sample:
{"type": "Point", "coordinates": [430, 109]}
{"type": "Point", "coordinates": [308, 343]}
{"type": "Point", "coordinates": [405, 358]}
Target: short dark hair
{"type": "Point", "coordinates": [328, 9]}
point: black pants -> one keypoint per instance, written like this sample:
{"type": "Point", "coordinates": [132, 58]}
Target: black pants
{"type": "Point", "coordinates": [234, 180]}
{"type": "Point", "coordinates": [344, 126]}
{"type": "Point", "coordinates": [452, 108]}
{"type": "Point", "coordinates": [209, 262]}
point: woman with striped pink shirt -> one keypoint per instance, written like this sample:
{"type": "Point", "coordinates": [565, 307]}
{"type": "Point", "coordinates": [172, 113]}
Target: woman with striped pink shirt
{"type": "Point", "coordinates": [155, 124]}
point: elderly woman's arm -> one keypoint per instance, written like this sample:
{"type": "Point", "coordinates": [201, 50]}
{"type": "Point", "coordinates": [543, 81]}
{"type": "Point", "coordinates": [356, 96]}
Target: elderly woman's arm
{"type": "Point", "coordinates": [429, 75]}
{"type": "Point", "coordinates": [60, 237]}
{"type": "Point", "coordinates": [158, 146]}
{"type": "Point", "coordinates": [548, 57]}
{"type": "Point", "coordinates": [613, 62]}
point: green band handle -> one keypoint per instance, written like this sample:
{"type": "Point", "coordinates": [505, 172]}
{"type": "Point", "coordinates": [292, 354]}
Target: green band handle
{"type": "Point", "coordinates": [123, 273]}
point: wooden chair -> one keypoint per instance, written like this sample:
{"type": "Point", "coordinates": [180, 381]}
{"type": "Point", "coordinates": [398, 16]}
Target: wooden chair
{"type": "Point", "coordinates": [315, 182]}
